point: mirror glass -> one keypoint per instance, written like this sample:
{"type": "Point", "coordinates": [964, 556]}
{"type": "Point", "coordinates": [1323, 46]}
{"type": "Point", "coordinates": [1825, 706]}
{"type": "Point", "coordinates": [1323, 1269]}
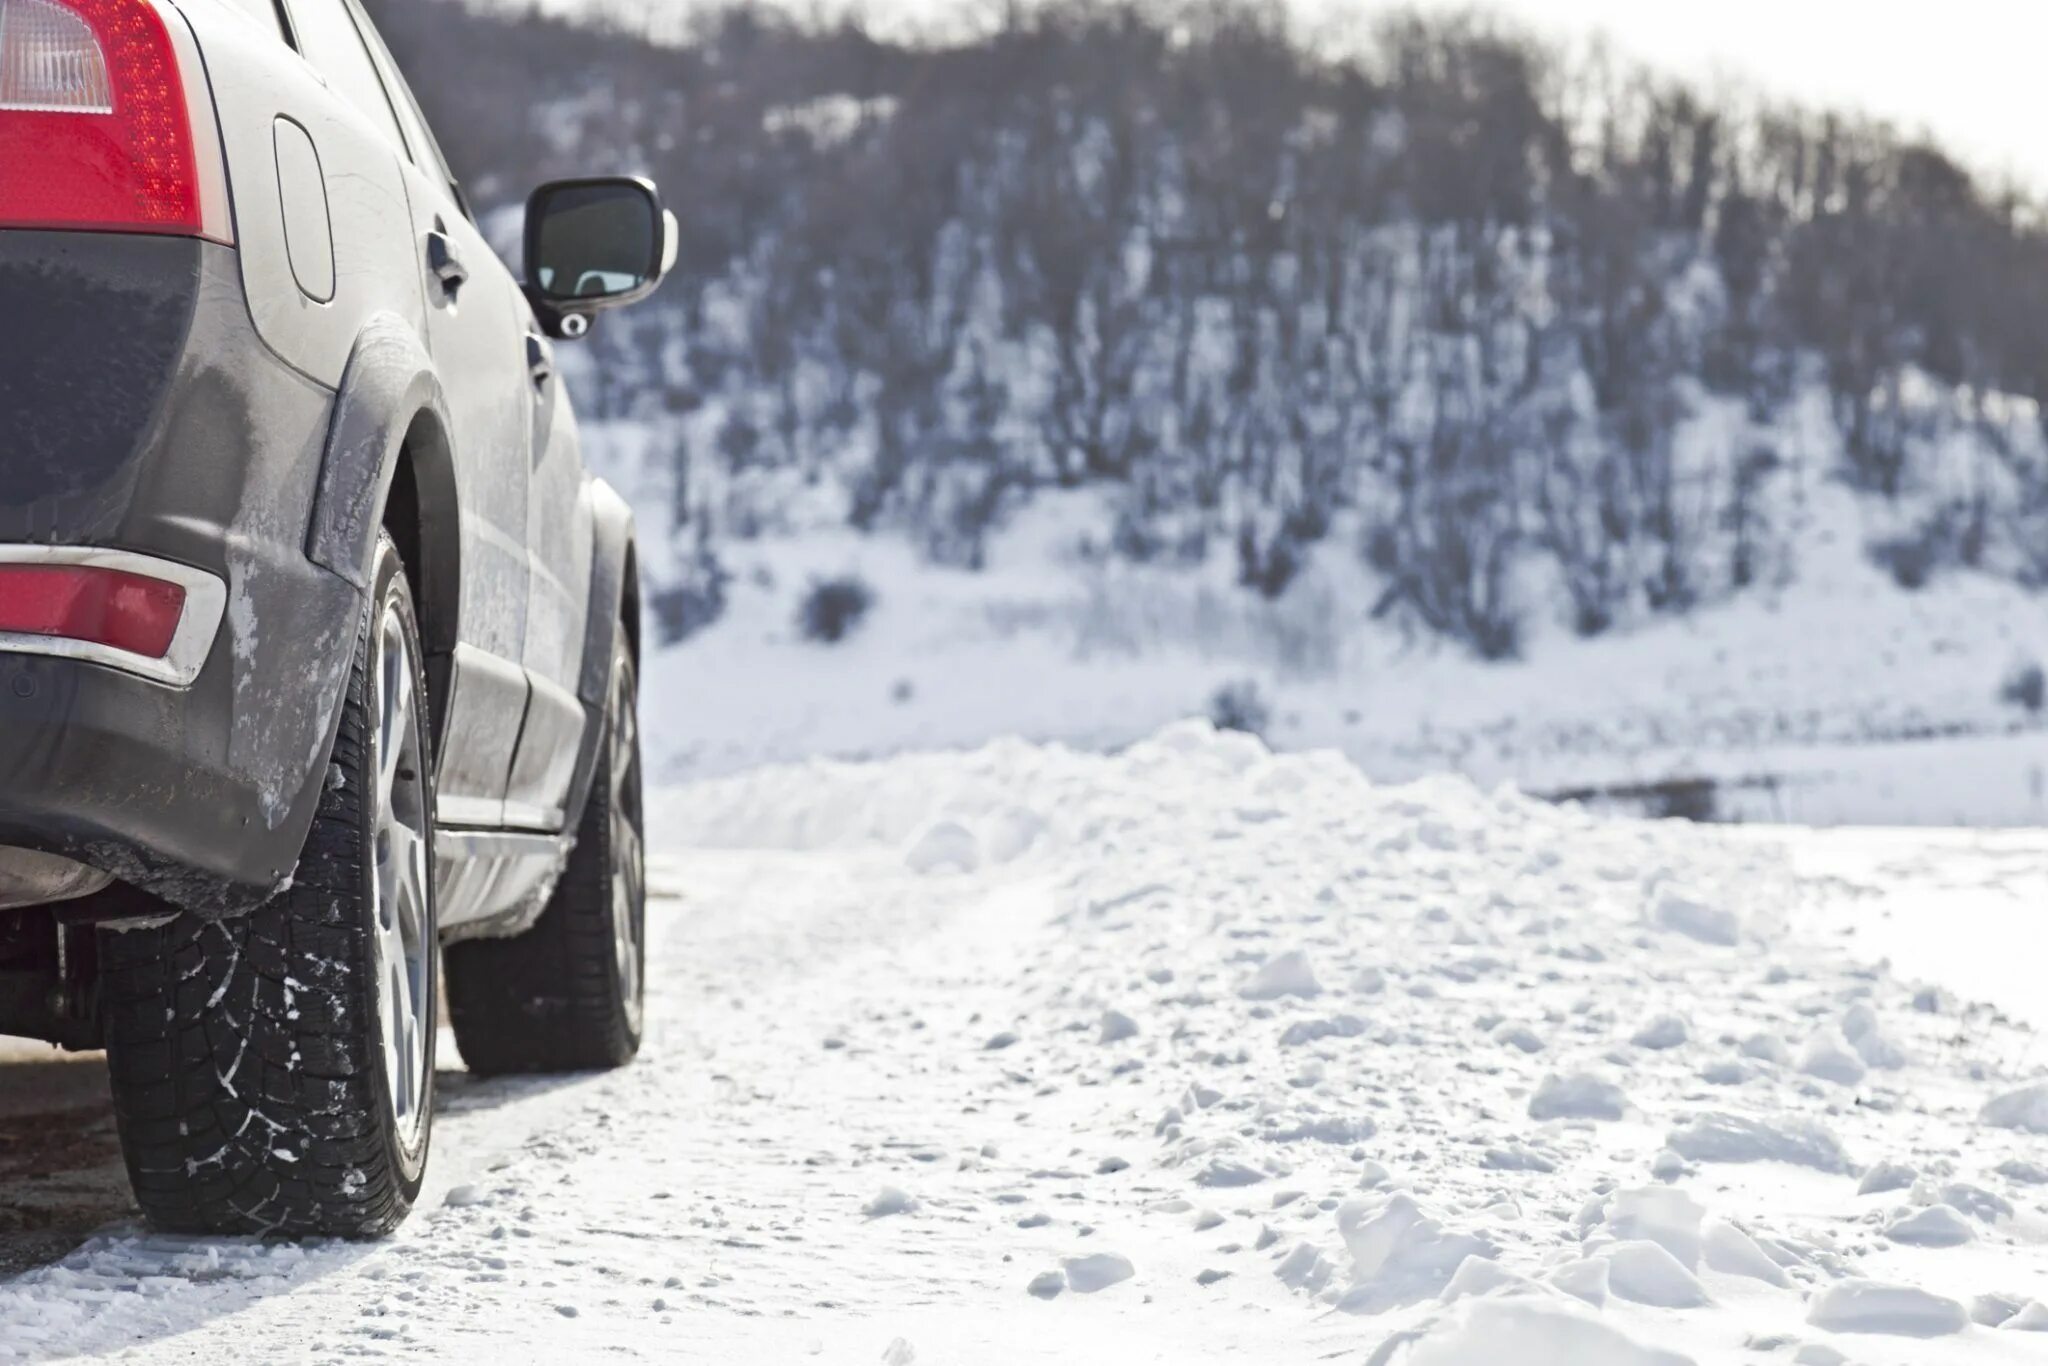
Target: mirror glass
{"type": "Point", "coordinates": [594, 241]}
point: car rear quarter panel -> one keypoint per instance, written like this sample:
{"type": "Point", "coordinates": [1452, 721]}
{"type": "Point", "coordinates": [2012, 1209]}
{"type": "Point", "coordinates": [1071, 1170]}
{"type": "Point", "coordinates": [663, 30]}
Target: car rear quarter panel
{"type": "Point", "coordinates": [257, 81]}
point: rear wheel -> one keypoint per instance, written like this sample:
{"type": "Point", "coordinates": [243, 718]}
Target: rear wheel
{"type": "Point", "coordinates": [275, 1073]}
{"type": "Point", "coordinates": [567, 995]}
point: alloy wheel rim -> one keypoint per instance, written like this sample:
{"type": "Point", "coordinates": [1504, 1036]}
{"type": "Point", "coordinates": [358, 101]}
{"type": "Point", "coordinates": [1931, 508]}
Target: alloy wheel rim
{"type": "Point", "coordinates": [401, 954]}
{"type": "Point", "coordinates": [629, 858]}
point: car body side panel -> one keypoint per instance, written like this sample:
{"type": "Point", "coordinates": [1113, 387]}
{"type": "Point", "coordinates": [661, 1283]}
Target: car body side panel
{"type": "Point", "coordinates": [256, 81]}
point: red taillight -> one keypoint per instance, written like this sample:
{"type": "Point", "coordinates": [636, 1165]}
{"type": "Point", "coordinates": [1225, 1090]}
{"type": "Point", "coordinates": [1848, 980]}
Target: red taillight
{"type": "Point", "coordinates": [123, 611]}
{"type": "Point", "coordinates": [95, 131]}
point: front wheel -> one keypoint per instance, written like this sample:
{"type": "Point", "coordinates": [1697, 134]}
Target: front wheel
{"type": "Point", "coordinates": [567, 995]}
{"type": "Point", "coordinates": [275, 1073]}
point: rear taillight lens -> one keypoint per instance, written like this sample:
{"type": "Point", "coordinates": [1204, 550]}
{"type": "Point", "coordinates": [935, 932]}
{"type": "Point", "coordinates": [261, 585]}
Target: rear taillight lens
{"type": "Point", "coordinates": [132, 613]}
{"type": "Point", "coordinates": [95, 129]}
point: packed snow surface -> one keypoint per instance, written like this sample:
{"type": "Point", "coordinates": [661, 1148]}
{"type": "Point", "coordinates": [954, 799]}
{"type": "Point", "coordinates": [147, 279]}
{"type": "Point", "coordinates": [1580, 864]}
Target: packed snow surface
{"type": "Point", "coordinates": [1192, 1053]}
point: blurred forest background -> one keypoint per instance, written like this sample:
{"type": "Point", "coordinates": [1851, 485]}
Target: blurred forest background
{"type": "Point", "coordinates": [1530, 331]}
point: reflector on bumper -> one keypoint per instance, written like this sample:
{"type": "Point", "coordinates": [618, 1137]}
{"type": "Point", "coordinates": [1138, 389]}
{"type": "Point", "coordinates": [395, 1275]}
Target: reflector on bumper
{"type": "Point", "coordinates": [101, 606]}
{"type": "Point", "coordinates": [129, 612]}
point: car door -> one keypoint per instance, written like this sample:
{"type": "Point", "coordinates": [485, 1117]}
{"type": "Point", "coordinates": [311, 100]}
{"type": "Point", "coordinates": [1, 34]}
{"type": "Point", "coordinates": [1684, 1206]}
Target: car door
{"type": "Point", "coordinates": [475, 335]}
{"type": "Point", "coordinates": [559, 556]}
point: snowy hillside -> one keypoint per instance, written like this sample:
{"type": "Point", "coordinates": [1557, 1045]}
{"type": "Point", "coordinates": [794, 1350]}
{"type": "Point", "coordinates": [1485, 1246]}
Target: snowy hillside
{"type": "Point", "coordinates": [1196, 1054]}
{"type": "Point", "coordinates": [1833, 699]}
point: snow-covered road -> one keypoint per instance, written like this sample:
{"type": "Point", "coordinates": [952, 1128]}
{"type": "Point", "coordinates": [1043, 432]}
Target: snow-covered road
{"type": "Point", "coordinates": [1198, 1054]}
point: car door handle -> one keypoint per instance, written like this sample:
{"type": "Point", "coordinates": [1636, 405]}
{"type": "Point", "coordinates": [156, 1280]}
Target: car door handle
{"type": "Point", "coordinates": [444, 264]}
{"type": "Point", "coordinates": [540, 360]}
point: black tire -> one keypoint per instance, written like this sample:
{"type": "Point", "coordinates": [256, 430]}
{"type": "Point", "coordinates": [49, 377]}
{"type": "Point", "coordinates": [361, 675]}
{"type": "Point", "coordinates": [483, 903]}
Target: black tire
{"type": "Point", "coordinates": [248, 1055]}
{"type": "Point", "coordinates": [563, 997]}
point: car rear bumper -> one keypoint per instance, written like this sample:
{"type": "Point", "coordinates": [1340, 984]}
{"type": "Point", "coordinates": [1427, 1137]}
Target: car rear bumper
{"type": "Point", "coordinates": [145, 417]}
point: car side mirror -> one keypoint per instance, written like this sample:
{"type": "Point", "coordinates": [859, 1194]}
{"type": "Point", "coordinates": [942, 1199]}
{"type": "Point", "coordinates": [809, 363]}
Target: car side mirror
{"type": "Point", "coordinates": [595, 244]}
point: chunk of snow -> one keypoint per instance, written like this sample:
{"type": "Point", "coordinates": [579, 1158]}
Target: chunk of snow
{"type": "Point", "coordinates": [1668, 1166]}
{"type": "Point", "coordinates": [1819, 1354]}
{"type": "Point", "coordinates": [1647, 1273]}
{"type": "Point", "coordinates": [1224, 1172]}
{"type": "Point", "coordinates": [1767, 1047]}
{"type": "Point", "coordinates": [1994, 1310]}
{"type": "Point", "coordinates": [889, 1200]}
{"type": "Point", "coordinates": [1697, 919]}
{"type": "Point", "coordinates": [1518, 1036]}
{"type": "Point", "coordinates": [1338, 1129]}
{"type": "Point", "coordinates": [1581, 1095]}
{"type": "Point", "coordinates": [1720, 1137]}
{"type": "Point", "coordinates": [1047, 1285]}
{"type": "Point", "coordinates": [1887, 1176]}
{"type": "Point", "coordinates": [1518, 1329]}
{"type": "Point", "coordinates": [1658, 1214]}
{"type": "Point", "coordinates": [1098, 1271]}
{"type": "Point", "coordinates": [1285, 974]}
{"type": "Point", "coordinates": [1665, 1031]}
{"type": "Point", "coordinates": [1728, 1250]}
{"type": "Point", "coordinates": [1976, 1202]}
{"type": "Point", "coordinates": [1399, 1253]}
{"type": "Point", "coordinates": [944, 847]}
{"type": "Point", "coordinates": [1305, 1268]}
{"type": "Point", "coordinates": [1858, 1306]}
{"type": "Point", "coordinates": [1827, 1055]}
{"type": "Point", "coordinates": [1484, 1276]}
{"type": "Point", "coordinates": [1861, 1028]}
{"type": "Point", "coordinates": [1584, 1279]}
{"type": "Point", "coordinates": [1516, 1158]}
{"type": "Point", "coordinates": [2025, 1110]}
{"type": "Point", "coordinates": [2032, 1319]}
{"type": "Point", "coordinates": [1726, 1072]}
{"type": "Point", "coordinates": [1117, 1026]}
{"type": "Point", "coordinates": [1935, 1226]}
{"type": "Point", "coordinates": [1310, 1031]}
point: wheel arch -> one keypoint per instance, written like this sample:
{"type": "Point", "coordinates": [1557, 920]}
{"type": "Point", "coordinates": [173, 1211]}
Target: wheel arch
{"type": "Point", "coordinates": [389, 464]}
{"type": "Point", "coordinates": [391, 413]}
{"type": "Point", "coordinates": [420, 512]}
